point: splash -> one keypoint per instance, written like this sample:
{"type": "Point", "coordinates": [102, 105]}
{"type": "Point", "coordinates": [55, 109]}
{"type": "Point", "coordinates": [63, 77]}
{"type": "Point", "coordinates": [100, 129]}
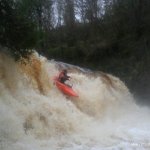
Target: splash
{"type": "Point", "coordinates": [36, 115]}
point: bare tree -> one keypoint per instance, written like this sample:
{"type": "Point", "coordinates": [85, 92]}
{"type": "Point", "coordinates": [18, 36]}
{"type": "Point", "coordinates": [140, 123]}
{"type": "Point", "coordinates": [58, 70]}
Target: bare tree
{"type": "Point", "coordinates": [92, 10]}
{"type": "Point", "coordinates": [69, 13]}
{"type": "Point", "coordinates": [60, 10]}
{"type": "Point", "coordinates": [80, 10]}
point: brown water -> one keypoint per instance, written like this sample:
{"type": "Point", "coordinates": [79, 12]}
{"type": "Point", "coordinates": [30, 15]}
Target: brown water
{"type": "Point", "coordinates": [34, 114]}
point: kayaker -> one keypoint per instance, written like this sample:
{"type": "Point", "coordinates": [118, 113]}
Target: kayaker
{"type": "Point", "coordinates": [63, 76]}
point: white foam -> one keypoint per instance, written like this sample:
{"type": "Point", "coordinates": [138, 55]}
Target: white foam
{"type": "Point", "coordinates": [34, 114]}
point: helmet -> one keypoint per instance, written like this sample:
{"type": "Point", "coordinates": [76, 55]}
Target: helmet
{"type": "Point", "coordinates": [64, 70]}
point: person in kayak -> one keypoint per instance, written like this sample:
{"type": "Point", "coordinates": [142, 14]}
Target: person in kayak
{"type": "Point", "coordinates": [63, 77]}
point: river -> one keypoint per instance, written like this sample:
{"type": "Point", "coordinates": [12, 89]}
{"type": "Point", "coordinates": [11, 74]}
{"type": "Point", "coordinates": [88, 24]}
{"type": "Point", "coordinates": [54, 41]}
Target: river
{"type": "Point", "coordinates": [34, 114]}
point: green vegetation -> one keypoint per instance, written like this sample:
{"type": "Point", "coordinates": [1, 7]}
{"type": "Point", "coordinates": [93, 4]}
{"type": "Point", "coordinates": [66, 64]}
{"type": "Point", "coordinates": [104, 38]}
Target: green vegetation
{"type": "Point", "coordinates": [16, 32]}
{"type": "Point", "coordinates": [107, 35]}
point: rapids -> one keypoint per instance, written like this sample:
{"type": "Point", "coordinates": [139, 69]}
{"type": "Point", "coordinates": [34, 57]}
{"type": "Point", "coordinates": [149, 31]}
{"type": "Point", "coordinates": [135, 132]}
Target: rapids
{"type": "Point", "coordinates": [34, 114]}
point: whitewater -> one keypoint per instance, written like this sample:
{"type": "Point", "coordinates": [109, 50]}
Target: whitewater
{"type": "Point", "coordinates": [34, 114]}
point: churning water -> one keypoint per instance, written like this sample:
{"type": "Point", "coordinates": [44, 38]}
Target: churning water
{"type": "Point", "coordinates": [35, 115]}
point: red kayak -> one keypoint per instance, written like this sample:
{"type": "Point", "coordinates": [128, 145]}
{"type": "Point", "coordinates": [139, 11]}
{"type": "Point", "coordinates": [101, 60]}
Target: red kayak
{"type": "Point", "coordinates": [66, 89]}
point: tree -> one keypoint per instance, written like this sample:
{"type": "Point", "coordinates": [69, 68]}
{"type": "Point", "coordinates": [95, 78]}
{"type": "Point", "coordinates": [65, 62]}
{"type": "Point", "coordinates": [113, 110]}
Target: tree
{"type": "Point", "coordinates": [38, 11]}
{"type": "Point", "coordinates": [60, 11]}
{"type": "Point", "coordinates": [92, 9]}
{"type": "Point", "coordinates": [69, 13]}
{"type": "Point", "coordinates": [16, 32]}
{"type": "Point", "coordinates": [81, 10]}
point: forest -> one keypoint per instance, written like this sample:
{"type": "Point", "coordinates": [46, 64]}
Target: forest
{"type": "Point", "coordinates": [112, 36]}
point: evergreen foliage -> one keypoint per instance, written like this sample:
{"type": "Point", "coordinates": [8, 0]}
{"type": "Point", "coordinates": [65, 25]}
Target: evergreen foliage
{"type": "Point", "coordinates": [16, 32]}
